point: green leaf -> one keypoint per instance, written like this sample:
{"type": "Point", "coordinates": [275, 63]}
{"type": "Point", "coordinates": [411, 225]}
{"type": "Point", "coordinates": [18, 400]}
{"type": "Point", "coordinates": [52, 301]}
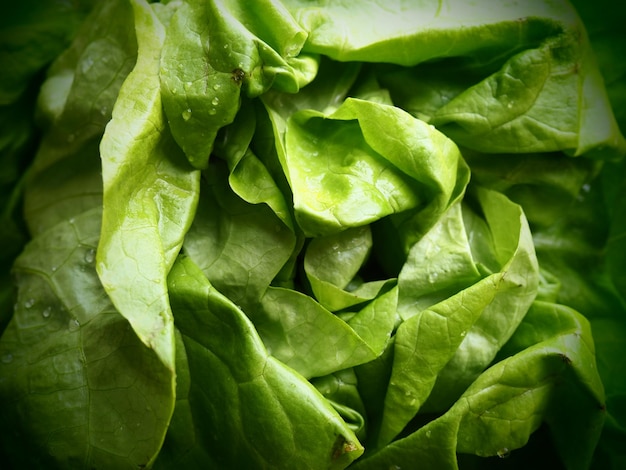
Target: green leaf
{"type": "Point", "coordinates": [240, 247]}
{"type": "Point", "coordinates": [363, 162]}
{"type": "Point", "coordinates": [248, 409]}
{"type": "Point", "coordinates": [252, 48]}
{"type": "Point", "coordinates": [150, 195]}
{"type": "Point", "coordinates": [249, 176]}
{"type": "Point", "coordinates": [532, 179]}
{"type": "Point", "coordinates": [341, 390]}
{"type": "Point", "coordinates": [92, 70]}
{"type": "Point", "coordinates": [332, 264]}
{"type": "Point", "coordinates": [441, 348]}
{"type": "Point", "coordinates": [32, 34]}
{"type": "Point", "coordinates": [553, 379]}
{"type": "Point", "coordinates": [310, 339]}
{"type": "Point", "coordinates": [75, 381]}
{"type": "Point", "coordinates": [538, 86]}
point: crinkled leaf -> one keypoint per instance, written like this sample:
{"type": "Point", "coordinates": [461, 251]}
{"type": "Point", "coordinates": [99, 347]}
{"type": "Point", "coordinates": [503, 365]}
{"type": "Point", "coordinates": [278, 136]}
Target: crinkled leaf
{"type": "Point", "coordinates": [553, 379]}
{"type": "Point", "coordinates": [332, 264]}
{"type": "Point", "coordinates": [538, 86]}
{"type": "Point", "coordinates": [249, 176]}
{"type": "Point", "coordinates": [363, 162]}
{"type": "Point", "coordinates": [215, 49]}
{"type": "Point", "coordinates": [150, 194]}
{"type": "Point", "coordinates": [441, 348]}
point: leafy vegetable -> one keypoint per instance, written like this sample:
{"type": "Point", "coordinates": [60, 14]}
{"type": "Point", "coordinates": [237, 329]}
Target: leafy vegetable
{"type": "Point", "coordinates": [288, 234]}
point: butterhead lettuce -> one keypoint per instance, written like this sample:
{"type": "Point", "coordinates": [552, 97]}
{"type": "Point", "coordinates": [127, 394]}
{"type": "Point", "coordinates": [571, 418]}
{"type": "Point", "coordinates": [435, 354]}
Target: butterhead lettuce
{"type": "Point", "coordinates": [288, 234]}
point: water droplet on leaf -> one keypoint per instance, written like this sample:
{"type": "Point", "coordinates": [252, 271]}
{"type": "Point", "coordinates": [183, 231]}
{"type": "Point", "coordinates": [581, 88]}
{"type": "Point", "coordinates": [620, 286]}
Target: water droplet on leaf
{"type": "Point", "coordinates": [504, 453]}
{"type": "Point", "coordinates": [212, 111]}
{"type": "Point", "coordinates": [187, 114]}
{"type": "Point", "coordinates": [90, 255]}
{"type": "Point", "coordinates": [47, 312]}
{"type": "Point", "coordinates": [29, 303]}
{"type": "Point", "coordinates": [74, 324]}
{"type": "Point", "coordinates": [215, 101]}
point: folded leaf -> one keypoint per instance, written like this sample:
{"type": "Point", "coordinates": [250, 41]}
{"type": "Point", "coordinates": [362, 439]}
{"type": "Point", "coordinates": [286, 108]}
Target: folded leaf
{"type": "Point", "coordinates": [76, 382]}
{"type": "Point", "coordinates": [353, 167]}
{"type": "Point", "coordinates": [216, 49]}
{"type": "Point", "coordinates": [150, 194]}
{"type": "Point", "coordinates": [441, 348]}
{"type": "Point", "coordinates": [249, 410]}
{"type": "Point", "coordinates": [553, 379]}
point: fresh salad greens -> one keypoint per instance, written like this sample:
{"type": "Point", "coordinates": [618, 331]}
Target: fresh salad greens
{"type": "Point", "coordinates": [298, 234]}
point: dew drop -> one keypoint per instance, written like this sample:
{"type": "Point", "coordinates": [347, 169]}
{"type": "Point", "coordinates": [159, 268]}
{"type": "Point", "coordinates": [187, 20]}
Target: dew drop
{"type": "Point", "coordinates": [428, 433]}
{"type": "Point", "coordinates": [7, 358]}
{"type": "Point", "coordinates": [29, 303]}
{"type": "Point", "coordinates": [510, 104]}
{"type": "Point", "coordinates": [86, 65]}
{"type": "Point", "coordinates": [217, 86]}
{"type": "Point", "coordinates": [90, 256]}
{"type": "Point", "coordinates": [212, 111]}
{"type": "Point", "coordinates": [187, 114]}
{"type": "Point", "coordinates": [174, 91]}
{"type": "Point", "coordinates": [73, 324]}
{"type": "Point", "coordinates": [225, 46]}
{"type": "Point", "coordinates": [188, 85]}
{"type": "Point", "coordinates": [215, 101]}
{"type": "Point", "coordinates": [47, 312]}
{"type": "Point", "coordinates": [54, 268]}
{"type": "Point", "coordinates": [503, 453]}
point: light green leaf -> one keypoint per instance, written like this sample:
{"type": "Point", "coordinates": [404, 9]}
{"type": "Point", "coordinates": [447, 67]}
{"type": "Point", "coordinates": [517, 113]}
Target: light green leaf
{"type": "Point", "coordinates": [249, 177]}
{"type": "Point", "coordinates": [252, 48]}
{"type": "Point", "coordinates": [554, 379]}
{"type": "Point", "coordinates": [363, 162]}
{"type": "Point", "coordinates": [310, 339]}
{"type": "Point", "coordinates": [150, 195]}
{"type": "Point", "coordinates": [332, 264]}
{"type": "Point", "coordinates": [542, 91]}
{"type": "Point", "coordinates": [441, 348]}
